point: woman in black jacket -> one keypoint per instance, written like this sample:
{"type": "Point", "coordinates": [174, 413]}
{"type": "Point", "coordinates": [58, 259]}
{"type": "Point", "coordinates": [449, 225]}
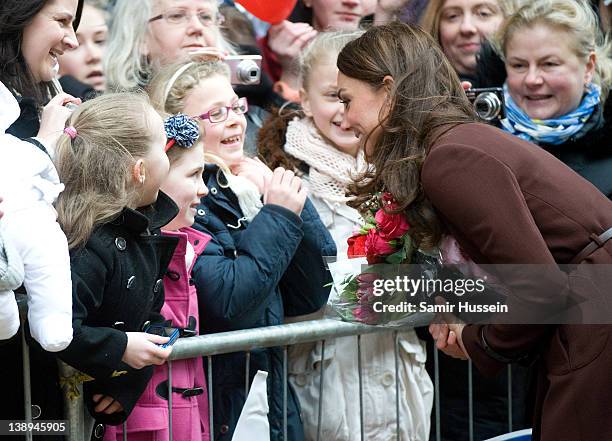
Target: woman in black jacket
{"type": "Point", "coordinates": [556, 89]}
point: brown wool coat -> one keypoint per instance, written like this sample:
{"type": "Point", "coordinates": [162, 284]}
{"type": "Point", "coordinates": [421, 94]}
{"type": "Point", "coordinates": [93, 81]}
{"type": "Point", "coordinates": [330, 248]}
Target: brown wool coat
{"type": "Point", "coordinates": [507, 201]}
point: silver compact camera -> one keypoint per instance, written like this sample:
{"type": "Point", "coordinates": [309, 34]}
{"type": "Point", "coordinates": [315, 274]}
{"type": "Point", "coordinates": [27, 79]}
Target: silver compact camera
{"type": "Point", "coordinates": [488, 103]}
{"type": "Point", "coordinates": [245, 69]}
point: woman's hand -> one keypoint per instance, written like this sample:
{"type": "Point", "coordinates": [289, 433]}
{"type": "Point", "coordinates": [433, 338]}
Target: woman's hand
{"type": "Point", "coordinates": [142, 350]}
{"type": "Point", "coordinates": [287, 40]}
{"type": "Point", "coordinates": [255, 171]}
{"type": "Point", "coordinates": [447, 330]}
{"type": "Point", "coordinates": [54, 116]}
{"type": "Point", "coordinates": [285, 189]}
{"type": "Point", "coordinates": [106, 404]}
{"type": "Point", "coordinates": [209, 53]}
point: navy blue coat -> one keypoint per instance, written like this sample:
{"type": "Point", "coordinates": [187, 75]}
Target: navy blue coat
{"type": "Point", "coordinates": [252, 275]}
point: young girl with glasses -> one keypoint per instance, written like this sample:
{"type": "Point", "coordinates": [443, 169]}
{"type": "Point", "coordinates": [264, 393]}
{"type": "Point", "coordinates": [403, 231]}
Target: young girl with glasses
{"type": "Point", "coordinates": [265, 258]}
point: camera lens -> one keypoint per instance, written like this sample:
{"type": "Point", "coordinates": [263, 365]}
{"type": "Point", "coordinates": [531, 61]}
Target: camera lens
{"type": "Point", "coordinates": [248, 72]}
{"type": "Point", "coordinates": [487, 106]}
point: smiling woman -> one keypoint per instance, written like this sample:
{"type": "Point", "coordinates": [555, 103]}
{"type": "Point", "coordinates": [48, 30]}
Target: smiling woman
{"type": "Point", "coordinates": [460, 26]}
{"type": "Point", "coordinates": [559, 74]}
{"type": "Point", "coordinates": [33, 33]}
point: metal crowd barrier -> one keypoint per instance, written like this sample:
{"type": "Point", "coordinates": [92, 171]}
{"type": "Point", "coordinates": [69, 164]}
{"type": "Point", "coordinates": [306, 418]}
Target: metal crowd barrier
{"type": "Point", "coordinates": [245, 341]}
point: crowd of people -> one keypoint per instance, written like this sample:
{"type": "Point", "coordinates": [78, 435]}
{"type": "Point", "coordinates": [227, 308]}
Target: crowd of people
{"type": "Point", "coordinates": [146, 193]}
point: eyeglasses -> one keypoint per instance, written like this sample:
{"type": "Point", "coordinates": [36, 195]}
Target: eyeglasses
{"type": "Point", "coordinates": [182, 16]}
{"type": "Point", "coordinates": [220, 114]}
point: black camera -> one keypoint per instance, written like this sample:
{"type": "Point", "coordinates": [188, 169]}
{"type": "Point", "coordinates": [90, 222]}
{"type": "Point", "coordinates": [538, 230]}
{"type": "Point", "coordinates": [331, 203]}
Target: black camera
{"type": "Point", "coordinates": [488, 103]}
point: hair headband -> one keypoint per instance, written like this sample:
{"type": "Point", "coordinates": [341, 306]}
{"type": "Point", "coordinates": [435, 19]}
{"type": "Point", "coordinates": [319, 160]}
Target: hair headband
{"type": "Point", "coordinates": [175, 77]}
{"type": "Point", "coordinates": [181, 130]}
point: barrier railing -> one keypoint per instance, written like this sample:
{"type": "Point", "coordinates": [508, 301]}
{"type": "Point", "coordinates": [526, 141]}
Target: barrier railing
{"type": "Point", "coordinates": [80, 426]}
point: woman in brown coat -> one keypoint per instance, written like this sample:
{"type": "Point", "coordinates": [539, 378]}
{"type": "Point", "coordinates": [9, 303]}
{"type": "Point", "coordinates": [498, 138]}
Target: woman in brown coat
{"type": "Point", "coordinates": [505, 202]}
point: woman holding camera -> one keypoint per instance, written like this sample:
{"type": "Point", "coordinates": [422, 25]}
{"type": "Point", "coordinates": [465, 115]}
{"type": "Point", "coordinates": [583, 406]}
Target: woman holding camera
{"type": "Point", "coordinates": [146, 35]}
{"type": "Point", "coordinates": [504, 201]}
{"type": "Point", "coordinates": [559, 76]}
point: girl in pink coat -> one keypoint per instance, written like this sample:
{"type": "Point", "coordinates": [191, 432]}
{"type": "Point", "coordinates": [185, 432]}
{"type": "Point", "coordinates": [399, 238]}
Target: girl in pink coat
{"type": "Point", "coordinates": [149, 419]}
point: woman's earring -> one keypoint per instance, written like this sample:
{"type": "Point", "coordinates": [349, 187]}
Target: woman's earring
{"type": "Point", "coordinates": [142, 179]}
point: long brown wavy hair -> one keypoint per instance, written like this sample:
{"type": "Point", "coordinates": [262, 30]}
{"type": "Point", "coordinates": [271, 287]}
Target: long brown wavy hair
{"type": "Point", "coordinates": [425, 100]}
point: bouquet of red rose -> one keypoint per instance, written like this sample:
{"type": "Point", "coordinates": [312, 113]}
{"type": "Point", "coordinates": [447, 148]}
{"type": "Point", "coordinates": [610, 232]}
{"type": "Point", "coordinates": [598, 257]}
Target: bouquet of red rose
{"type": "Point", "coordinates": [385, 243]}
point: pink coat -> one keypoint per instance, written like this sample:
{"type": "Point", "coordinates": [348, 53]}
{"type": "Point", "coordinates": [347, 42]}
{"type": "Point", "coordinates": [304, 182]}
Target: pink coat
{"type": "Point", "coordinates": [149, 419]}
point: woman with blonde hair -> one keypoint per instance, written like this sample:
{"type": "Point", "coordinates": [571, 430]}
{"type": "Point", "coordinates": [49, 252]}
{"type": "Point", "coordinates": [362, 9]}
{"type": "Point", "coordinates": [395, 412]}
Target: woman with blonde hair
{"type": "Point", "coordinates": [559, 73]}
{"type": "Point", "coordinates": [148, 34]}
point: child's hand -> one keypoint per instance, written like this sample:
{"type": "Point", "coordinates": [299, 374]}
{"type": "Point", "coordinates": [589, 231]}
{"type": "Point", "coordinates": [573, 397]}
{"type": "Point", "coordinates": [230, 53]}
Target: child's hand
{"type": "Point", "coordinates": [255, 171]}
{"type": "Point", "coordinates": [54, 116]}
{"type": "Point", "coordinates": [106, 404]}
{"type": "Point", "coordinates": [285, 189]}
{"type": "Point", "coordinates": [142, 350]}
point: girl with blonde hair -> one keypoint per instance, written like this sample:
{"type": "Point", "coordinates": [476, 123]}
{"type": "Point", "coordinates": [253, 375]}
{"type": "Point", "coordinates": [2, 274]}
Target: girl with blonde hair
{"type": "Point", "coordinates": [111, 158]}
{"type": "Point", "coordinates": [312, 142]}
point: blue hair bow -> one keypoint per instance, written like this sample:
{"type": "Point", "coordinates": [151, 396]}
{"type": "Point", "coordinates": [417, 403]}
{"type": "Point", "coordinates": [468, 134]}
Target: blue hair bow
{"type": "Point", "coordinates": [182, 130]}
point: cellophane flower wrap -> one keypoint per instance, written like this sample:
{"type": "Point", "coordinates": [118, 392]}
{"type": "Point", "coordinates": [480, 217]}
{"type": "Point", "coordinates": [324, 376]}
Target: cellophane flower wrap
{"type": "Point", "coordinates": [376, 252]}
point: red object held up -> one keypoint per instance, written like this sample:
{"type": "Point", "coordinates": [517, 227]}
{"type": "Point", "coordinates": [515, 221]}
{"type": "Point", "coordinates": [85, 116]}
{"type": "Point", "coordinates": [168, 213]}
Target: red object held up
{"type": "Point", "coordinates": [271, 11]}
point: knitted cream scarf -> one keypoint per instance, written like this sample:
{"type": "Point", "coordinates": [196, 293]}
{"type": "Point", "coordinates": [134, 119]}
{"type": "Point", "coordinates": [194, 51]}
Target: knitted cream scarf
{"type": "Point", "coordinates": [330, 169]}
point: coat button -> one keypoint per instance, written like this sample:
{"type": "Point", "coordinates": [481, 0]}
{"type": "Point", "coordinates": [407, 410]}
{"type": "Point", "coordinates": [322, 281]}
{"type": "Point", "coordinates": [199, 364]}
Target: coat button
{"type": "Point", "coordinates": [300, 380]}
{"type": "Point", "coordinates": [158, 286]}
{"type": "Point", "coordinates": [387, 379]}
{"type": "Point", "coordinates": [201, 212]}
{"type": "Point", "coordinates": [130, 282]}
{"type": "Point", "coordinates": [224, 428]}
{"type": "Point", "coordinates": [36, 411]}
{"type": "Point", "coordinates": [213, 191]}
{"type": "Point", "coordinates": [120, 243]}
{"type": "Point", "coordinates": [99, 431]}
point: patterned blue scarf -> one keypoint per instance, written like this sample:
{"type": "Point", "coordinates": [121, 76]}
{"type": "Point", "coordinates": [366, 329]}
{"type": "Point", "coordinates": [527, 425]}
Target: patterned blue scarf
{"type": "Point", "coordinates": [549, 131]}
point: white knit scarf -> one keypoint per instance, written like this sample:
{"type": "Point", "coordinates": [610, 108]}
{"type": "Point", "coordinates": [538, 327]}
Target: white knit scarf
{"type": "Point", "coordinates": [330, 169]}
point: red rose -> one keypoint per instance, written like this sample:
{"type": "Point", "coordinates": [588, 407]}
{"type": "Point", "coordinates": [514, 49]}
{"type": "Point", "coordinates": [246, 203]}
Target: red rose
{"type": "Point", "coordinates": [365, 314]}
{"type": "Point", "coordinates": [391, 226]}
{"type": "Point", "coordinates": [356, 246]}
{"type": "Point", "coordinates": [365, 286]}
{"type": "Point", "coordinates": [376, 247]}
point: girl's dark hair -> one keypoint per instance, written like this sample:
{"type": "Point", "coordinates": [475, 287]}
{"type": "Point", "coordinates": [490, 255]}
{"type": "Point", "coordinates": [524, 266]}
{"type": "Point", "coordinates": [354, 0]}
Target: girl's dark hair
{"type": "Point", "coordinates": [424, 101]}
{"type": "Point", "coordinates": [15, 16]}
